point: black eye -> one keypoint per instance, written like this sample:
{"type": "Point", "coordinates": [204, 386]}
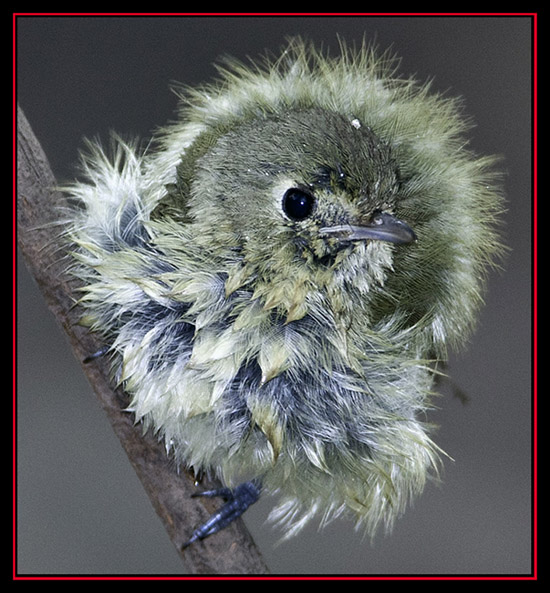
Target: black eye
{"type": "Point", "coordinates": [297, 204]}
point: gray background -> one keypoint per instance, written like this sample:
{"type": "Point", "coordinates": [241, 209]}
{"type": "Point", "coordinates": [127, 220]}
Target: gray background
{"type": "Point", "coordinates": [81, 508]}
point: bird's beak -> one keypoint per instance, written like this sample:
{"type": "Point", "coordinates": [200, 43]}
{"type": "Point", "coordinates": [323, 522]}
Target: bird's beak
{"type": "Point", "coordinates": [382, 227]}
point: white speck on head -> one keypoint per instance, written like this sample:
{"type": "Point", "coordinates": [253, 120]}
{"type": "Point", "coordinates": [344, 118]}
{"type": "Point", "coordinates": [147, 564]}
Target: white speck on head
{"type": "Point", "coordinates": [356, 123]}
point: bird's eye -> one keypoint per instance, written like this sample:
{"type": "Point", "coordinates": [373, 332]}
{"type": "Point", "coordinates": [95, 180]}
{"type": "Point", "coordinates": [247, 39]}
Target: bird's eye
{"type": "Point", "coordinates": [297, 204]}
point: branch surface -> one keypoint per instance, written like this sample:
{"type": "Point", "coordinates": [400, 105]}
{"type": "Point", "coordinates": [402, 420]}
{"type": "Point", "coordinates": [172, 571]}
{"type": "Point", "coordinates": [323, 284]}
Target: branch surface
{"type": "Point", "coordinates": [231, 551]}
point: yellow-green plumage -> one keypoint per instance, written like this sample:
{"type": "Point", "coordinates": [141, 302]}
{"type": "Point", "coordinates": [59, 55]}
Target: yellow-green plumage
{"type": "Point", "coordinates": [284, 348]}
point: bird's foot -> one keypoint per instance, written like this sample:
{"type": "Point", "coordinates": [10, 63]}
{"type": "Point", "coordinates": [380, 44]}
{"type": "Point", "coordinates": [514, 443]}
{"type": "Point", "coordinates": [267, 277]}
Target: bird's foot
{"type": "Point", "coordinates": [236, 503]}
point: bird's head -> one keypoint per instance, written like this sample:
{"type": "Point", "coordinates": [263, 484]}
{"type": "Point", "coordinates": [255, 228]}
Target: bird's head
{"type": "Point", "coordinates": [295, 194]}
{"type": "Point", "coordinates": [331, 186]}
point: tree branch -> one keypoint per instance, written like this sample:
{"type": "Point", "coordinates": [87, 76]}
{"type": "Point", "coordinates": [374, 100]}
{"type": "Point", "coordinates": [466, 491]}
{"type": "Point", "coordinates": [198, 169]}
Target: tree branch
{"type": "Point", "coordinates": [232, 551]}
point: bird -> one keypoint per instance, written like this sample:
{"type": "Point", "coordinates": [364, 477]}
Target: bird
{"type": "Point", "coordinates": [280, 273]}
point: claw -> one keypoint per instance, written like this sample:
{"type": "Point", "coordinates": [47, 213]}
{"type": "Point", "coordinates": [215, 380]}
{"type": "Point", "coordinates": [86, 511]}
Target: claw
{"type": "Point", "coordinates": [236, 503]}
{"type": "Point", "coordinates": [96, 354]}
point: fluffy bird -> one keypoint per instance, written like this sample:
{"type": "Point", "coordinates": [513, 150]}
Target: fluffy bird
{"type": "Point", "coordinates": [278, 276]}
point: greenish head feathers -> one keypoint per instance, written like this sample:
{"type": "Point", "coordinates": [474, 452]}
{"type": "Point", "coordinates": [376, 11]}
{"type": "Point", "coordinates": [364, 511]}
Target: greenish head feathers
{"type": "Point", "coordinates": [276, 278]}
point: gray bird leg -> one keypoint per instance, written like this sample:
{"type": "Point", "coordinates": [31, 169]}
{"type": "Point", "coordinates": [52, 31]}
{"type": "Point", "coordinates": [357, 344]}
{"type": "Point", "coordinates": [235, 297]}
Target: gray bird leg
{"type": "Point", "coordinates": [236, 503]}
